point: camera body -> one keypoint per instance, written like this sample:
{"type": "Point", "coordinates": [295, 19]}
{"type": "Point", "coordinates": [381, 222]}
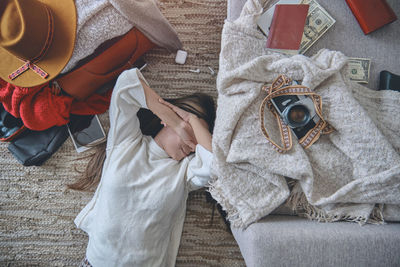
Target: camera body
{"type": "Point", "coordinates": [297, 112]}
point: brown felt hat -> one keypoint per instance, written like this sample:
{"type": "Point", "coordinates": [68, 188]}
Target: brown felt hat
{"type": "Point", "coordinates": [37, 39]}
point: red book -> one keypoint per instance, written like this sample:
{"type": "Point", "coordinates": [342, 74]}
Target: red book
{"type": "Point", "coordinates": [371, 14]}
{"type": "Point", "coordinates": [287, 27]}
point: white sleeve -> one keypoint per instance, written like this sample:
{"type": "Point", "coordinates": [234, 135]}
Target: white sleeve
{"type": "Point", "coordinates": [127, 98]}
{"type": "Point", "coordinates": [198, 172]}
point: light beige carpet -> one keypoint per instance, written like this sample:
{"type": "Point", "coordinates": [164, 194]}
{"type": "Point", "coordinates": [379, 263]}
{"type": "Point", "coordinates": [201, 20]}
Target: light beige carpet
{"type": "Point", "coordinates": [36, 209]}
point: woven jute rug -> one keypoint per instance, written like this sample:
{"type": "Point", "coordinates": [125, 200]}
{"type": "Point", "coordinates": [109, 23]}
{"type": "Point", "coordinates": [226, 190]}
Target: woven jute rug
{"type": "Point", "coordinates": [36, 208]}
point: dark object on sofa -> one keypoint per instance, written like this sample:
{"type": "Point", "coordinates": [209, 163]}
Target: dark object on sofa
{"type": "Point", "coordinates": [35, 147]}
{"type": "Point", "coordinates": [389, 81]}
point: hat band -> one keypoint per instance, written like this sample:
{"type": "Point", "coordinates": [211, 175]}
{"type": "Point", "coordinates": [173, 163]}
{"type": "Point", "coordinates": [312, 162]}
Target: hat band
{"type": "Point", "coordinates": [29, 64]}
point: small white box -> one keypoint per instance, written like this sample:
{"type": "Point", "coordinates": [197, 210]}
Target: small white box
{"type": "Point", "coordinates": [181, 57]}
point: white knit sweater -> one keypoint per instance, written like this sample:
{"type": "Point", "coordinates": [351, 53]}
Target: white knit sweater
{"type": "Point", "coordinates": [359, 163]}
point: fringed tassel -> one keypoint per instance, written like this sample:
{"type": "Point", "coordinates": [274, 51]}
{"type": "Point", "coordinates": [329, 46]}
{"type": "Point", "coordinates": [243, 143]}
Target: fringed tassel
{"type": "Point", "coordinates": [299, 203]}
{"type": "Point", "coordinates": [223, 214]}
{"type": "Point", "coordinates": [376, 216]}
{"type": "Point", "coordinates": [232, 214]}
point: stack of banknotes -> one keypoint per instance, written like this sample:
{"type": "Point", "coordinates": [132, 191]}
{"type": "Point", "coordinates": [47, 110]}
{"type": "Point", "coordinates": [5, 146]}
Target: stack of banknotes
{"type": "Point", "coordinates": [318, 22]}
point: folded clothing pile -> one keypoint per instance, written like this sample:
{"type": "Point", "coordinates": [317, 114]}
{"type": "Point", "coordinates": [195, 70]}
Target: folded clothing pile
{"type": "Point", "coordinates": [103, 39]}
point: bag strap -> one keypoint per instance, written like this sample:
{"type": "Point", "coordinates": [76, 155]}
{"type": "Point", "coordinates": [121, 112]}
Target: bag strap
{"type": "Point", "coordinates": [279, 87]}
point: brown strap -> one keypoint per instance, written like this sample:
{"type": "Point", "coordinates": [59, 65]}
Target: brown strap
{"type": "Point", "coordinates": [278, 88]}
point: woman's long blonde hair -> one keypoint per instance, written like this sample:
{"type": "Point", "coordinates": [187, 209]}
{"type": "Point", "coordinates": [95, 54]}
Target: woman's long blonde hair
{"type": "Point", "coordinates": [149, 125]}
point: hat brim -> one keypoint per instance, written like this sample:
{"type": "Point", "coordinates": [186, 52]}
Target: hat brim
{"type": "Point", "coordinates": [59, 53]}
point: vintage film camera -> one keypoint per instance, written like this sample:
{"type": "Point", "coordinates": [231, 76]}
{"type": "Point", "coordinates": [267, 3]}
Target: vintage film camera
{"type": "Point", "coordinates": [297, 111]}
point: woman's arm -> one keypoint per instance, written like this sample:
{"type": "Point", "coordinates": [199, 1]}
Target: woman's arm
{"type": "Point", "coordinates": [127, 98]}
{"type": "Point", "coordinates": [199, 126]}
{"type": "Point", "coordinates": [201, 132]}
{"type": "Point", "coordinates": [168, 116]}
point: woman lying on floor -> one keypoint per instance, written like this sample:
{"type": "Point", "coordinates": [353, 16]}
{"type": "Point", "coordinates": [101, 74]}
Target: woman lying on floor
{"type": "Point", "coordinates": [137, 212]}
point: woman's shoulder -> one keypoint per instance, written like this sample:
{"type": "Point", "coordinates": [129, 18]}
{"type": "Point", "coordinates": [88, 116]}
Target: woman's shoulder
{"type": "Point", "coordinates": [127, 144]}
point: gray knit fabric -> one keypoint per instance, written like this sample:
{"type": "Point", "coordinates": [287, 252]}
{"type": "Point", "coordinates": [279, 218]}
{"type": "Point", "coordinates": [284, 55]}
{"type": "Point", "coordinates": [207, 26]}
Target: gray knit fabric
{"type": "Point", "coordinates": [343, 176]}
{"type": "Point", "coordinates": [293, 241]}
{"type": "Point", "coordinates": [101, 20]}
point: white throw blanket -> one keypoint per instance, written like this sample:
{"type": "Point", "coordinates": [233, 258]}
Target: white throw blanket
{"type": "Point", "coordinates": [351, 174]}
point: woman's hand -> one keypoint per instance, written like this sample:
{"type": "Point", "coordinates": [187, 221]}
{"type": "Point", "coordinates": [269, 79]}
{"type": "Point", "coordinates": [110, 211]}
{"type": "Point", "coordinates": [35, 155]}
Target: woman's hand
{"type": "Point", "coordinates": [180, 126]}
{"type": "Point", "coordinates": [183, 114]}
{"type": "Point", "coordinates": [170, 118]}
{"type": "Point", "coordinates": [199, 126]}
{"type": "Point", "coordinates": [185, 131]}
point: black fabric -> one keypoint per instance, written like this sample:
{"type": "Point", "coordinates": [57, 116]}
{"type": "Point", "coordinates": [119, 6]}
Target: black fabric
{"type": "Point", "coordinates": [9, 125]}
{"type": "Point", "coordinates": [389, 81]}
{"type": "Point", "coordinates": [221, 211]}
{"type": "Point", "coordinates": [35, 147]}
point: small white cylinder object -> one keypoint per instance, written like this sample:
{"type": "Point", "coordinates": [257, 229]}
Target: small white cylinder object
{"type": "Point", "coordinates": [181, 57]}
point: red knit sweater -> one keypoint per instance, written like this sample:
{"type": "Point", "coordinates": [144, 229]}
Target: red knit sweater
{"type": "Point", "coordinates": [40, 109]}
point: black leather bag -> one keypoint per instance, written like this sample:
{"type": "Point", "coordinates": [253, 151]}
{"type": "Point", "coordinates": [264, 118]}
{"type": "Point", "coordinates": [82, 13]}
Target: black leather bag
{"type": "Point", "coordinates": [35, 147]}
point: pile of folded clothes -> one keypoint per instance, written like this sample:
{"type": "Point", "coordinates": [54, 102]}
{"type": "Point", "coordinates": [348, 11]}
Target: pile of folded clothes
{"type": "Point", "coordinates": [59, 67]}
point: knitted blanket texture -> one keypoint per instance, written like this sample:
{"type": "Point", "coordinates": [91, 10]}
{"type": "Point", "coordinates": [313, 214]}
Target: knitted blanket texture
{"type": "Point", "coordinates": [351, 174]}
{"type": "Point", "coordinates": [102, 20]}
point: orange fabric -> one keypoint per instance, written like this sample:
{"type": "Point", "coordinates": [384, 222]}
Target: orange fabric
{"type": "Point", "coordinates": [105, 67]}
{"type": "Point", "coordinates": [39, 108]}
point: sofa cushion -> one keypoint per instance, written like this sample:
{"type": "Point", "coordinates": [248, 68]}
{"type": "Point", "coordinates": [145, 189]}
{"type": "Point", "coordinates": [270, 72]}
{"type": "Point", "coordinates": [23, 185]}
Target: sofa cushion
{"type": "Point", "coordinates": [294, 241]}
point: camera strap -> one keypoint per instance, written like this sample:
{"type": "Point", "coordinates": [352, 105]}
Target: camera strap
{"type": "Point", "coordinates": [280, 87]}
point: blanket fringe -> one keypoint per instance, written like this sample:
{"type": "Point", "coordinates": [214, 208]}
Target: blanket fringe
{"type": "Point", "coordinates": [376, 216]}
{"type": "Point", "coordinates": [299, 203]}
{"type": "Point", "coordinates": [232, 212]}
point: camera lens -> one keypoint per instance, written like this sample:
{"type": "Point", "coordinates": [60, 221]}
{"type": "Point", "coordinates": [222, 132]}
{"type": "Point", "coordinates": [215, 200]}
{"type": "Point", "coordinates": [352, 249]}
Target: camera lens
{"type": "Point", "coordinates": [298, 115]}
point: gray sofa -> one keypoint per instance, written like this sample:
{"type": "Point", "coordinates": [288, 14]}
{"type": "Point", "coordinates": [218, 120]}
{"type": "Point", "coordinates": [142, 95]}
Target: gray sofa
{"type": "Point", "coordinates": [280, 240]}
{"type": "Point", "coordinates": [287, 240]}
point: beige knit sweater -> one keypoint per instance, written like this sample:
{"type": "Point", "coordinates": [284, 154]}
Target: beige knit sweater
{"type": "Point", "coordinates": [351, 174]}
{"type": "Point", "coordinates": [101, 20]}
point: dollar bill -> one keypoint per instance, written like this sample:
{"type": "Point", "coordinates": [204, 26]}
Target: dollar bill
{"type": "Point", "coordinates": [317, 23]}
{"type": "Point", "coordinates": [311, 3]}
{"type": "Point", "coordinates": [358, 69]}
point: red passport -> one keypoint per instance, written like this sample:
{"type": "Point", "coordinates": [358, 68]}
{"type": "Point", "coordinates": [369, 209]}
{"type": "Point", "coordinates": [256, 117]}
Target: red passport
{"type": "Point", "coordinates": [287, 27]}
{"type": "Point", "coordinates": [371, 14]}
